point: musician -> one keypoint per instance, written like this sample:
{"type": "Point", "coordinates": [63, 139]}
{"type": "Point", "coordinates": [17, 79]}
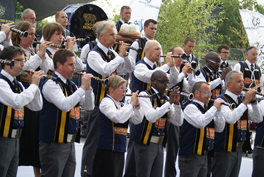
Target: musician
{"type": "Point", "coordinates": [258, 158]}
{"type": "Point", "coordinates": [28, 15]}
{"type": "Point", "coordinates": [113, 120]}
{"type": "Point", "coordinates": [59, 118]}
{"type": "Point", "coordinates": [209, 73]}
{"type": "Point", "coordinates": [13, 98]}
{"type": "Point", "coordinates": [122, 35]}
{"type": "Point", "coordinates": [53, 32]}
{"type": "Point", "coordinates": [228, 144]}
{"type": "Point", "coordinates": [5, 35]}
{"type": "Point", "coordinates": [141, 80]}
{"type": "Point", "coordinates": [198, 131]}
{"type": "Point", "coordinates": [188, 46]}
{"type": "Point", "coordinates": [102, 61]}
{"type": "Point", "coordinates": [172, 130]}
{"type": "Point", "coordinates": [88, 47]}
{"type": "Point", "coordinates": [150, 135]}
{"type": "Point", "coordinates": [223, 51]}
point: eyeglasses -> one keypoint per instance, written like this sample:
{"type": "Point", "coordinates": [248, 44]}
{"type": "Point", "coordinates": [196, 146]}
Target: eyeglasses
{"type": "Point", "coordinates": [217, 63]}
{"type": "Point", "coordinates": [226, 53]}
{"type": "Point", "coordinates": [208, 93]}
{"type": "Point", "coordinates": [122, 88]}
{"type": "Point", "coordinates": [19, 60]}
{"type": "Point", "coordinates": [163, 82]}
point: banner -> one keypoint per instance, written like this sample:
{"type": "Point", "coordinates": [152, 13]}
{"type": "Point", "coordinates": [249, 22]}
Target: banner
{"type": "Point", "coordinates": [7, 11]}
{"type": "Point", "coordinates": [143, 10]}
{"type": "Point", "coordinates": [254, 25]}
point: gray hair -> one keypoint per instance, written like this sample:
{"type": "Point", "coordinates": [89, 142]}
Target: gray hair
{"type": "Point", "coordinates": [251, 47]}
{"type": "Point", "coordinates": [26, 12]}
{"type": "Point", "coordinates": [100, 29]}
{"type": "Point", "coordinates": [230, 75]}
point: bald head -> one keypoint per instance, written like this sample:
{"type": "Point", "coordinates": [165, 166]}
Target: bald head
{"type": "Point", "coordinates": [153, 50]}
{"type": "Point", "coordinates": [213, 60]}
{"type": "Point", "coordinates": [176, 50]}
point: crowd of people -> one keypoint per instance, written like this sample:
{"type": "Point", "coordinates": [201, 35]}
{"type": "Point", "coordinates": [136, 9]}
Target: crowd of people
{"type": "Point", "coordinates": [201, 115]}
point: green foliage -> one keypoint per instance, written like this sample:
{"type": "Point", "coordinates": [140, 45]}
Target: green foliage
{"type": "Point", "coordinates": [19, 9]}
{"type": "Point", "coordinates": [181, 18]}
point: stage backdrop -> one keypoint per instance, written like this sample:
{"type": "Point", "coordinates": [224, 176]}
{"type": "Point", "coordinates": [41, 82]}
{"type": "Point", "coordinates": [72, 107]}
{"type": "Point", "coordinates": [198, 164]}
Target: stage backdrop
{"type": "Point", "coordinates": [254, 26]}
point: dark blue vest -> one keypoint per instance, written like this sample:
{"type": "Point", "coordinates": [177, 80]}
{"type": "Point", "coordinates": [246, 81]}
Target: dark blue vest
{"type": "Point", "coordinates": [10, 119]}
{"type": "Point", "coordinates": [194, 140]}
{"type": "Point", "coordinates": [112, 135]}
{"type": "Point", "coordinates": [233, 133]}
{"type": "Point", "coordinates": [54, 124]}
{"type": "Point", "coordinates": [259, 139]}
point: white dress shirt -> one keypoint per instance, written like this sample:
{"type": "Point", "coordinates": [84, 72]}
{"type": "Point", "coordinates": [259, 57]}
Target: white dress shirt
{"type": "Point", "coordinates": [104, 68]}
{"type": "Point", "coordinates": [52, 92]}
{"type": "Point", "coordinates": [2, 39]}
{"type": "Point", "coordinates": [199, 120]}
{"type": "Point", "coordinates": [108, 106]}
{"type": "Point", "coordinates": [232, 116]}
{"type": "Point", "coordinates": [30, 97]}
{"type": "Point", "coordinates": [133, 53]}
{"type": "Point", "coordinates": [186, 86]}
{"type": "Point", "coordinates": [85, 51]}
{"type": "Point", "coordinates": [151, 114]}
{"type": "Point", "coordinates": [143, 73]}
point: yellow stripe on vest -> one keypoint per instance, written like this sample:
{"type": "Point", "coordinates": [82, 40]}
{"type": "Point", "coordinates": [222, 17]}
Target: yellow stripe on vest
{"type": "Point", "coordinates": [143, 54]}
{"type": "Point", "coordinates": [148, 86]}
{"type": "Point", "coordinates": [149, 127]}
{"type": "Point", "coordinates": [201, 141]}
{"type": "Point", "coordinates": [113, 147]}
{"type": "Point", "coordinates": [102, 95]}
{"type": "Point", "coordinates": [7, 122]}
{"type": "Point", "coordinates": [63, 123]}
{"type": "Point", "coordinates": [230, 138]}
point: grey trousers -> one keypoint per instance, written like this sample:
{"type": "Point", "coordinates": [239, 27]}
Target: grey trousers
{"type": "Point", "coordinates": [89, 147]}
{"type": "Point", "coordinates": [57, 159]}
{"type": "Point", "coordinates": [227, 164]}
{"type": "Point", "coordinates": [9, 152]}
{"type": "Point", "coordinates": [172, 149]}
{"type": "Point", "coordinates": [258, 159]}
{"type": "Point", "coordinates": [193, 165]}
{"type": "Point", "coordinates": [149, 159]}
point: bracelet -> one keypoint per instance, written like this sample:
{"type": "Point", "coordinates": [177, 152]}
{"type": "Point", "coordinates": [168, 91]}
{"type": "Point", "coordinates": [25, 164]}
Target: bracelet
{"type": "Point", "coordinates": [253, 101]}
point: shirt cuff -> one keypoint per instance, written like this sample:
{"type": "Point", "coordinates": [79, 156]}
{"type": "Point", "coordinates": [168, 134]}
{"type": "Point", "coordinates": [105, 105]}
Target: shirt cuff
{"type": "Point", "coordinates": [80, 92]}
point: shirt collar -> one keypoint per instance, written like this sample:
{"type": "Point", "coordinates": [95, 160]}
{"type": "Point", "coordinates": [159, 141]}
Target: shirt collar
{"type": "Point", "coordinates": [7, 75]}
{"type": "Point", "coordinates": [52, 51]}
{"type": "Point", "coordinates": [249, 64]}
{"type": "Point", "coordinates": [210, 69]}
{"type": "Point", "coordinates": [101, 46]}
{"type": "Point", "coordinates": [199, 102]}
{"type": "Point", "coordinates": [150, 63]}
{"type": "Point", "coordinates": [232, 95]}
{"type": "Point", "coordinates": [63, 79]}
{"type": "Point", "coordinates": [116, 102]}
{"type": "Point", "coordinates": [123, 21]}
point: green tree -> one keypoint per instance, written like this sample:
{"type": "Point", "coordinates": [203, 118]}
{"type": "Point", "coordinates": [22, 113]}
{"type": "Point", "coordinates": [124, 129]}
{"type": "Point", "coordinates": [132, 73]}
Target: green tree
{"type": "Point", "coordinates": [181, 18]}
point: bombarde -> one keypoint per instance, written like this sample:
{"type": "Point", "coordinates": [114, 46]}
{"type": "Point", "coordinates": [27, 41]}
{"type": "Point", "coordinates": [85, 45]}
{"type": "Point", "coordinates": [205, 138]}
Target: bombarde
{"type": "Point", "coordinates": [51, 45]}
{"type": "Point", "coordinates": [9, 63]}
{"type": "Point", "coordinates": [22, 33]}
{"type": "Point", "coordinates": [86, 39]}
{"type": "Point", "coordinates": [45, 75]}
{"type": "Point", "coordinates": [102, 81]}
{"type": "Point", "coordinates": [230, 105]}
{"type": "Point", "coordinates": [132, 48]}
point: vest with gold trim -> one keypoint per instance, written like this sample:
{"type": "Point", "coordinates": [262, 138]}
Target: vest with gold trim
{"type": "Point", "coordinates": [10, 119]}
{"type": "Point", "coordinates": [194, 140]}
{"type": "Point", "coordinates": [210, 77]}
{"type": "Point", "coordinates": [54, 124]}
{"type": "Point", "coordinates": [223, 66]}
{"type": "Point", "coordinates": [233, 133]}
{"type": "Point", "coordinates": [247, 75]}
{"type": "Point", "coordinates": [112, 135]}
{"type": "Point", "coordinates": [259, 139]}
{"type": "Point", "coordinates": [136, 83]}
{"type": "Point", "coordinates": [194, 63]}
{"type": "Point", "coordinates": [142, 132]}
{"type": "Point", "coordinates": [141, 45]}
{"type": "Point", "coordinates": [50, 72]}
{"type": "Point", "coordinates": [98, 88]}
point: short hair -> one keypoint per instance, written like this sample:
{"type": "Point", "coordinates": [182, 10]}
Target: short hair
{"type": "Point", "coordinates": [57, 14]}
{"type": "Point", "coordinates": [147, 22]}
{"type": "Point", "coordinates": [96, 26]}
{"type": "Point", "coordinates": [198, 86]}
{"type": "Point", "coordinates": [26, 12]}
{"type": "Point", "coordinates": [187, 39]}
{"type": "Point", "coordinates": [230, 75]}
{"type": "Point", "coordinates": [171, 49]}
{"type": "Point", "coordinates": [222, 46]}
{"type": "Point", "coordinates": [249, 48]}
{"type": "Point", "coordinates": [9, 53]}
{"type": "Point", "coordinates": [22, 26]}
{"type": "Point", "coordinates": [61, 56]}
{"type": "Point", "coordinates": [50, 28]}
{"type": "Point", "coordinates": [114, 81]}
{"type": "Point", "coordinates": [100, 29]}
{"type": "Point", "coordinates": [124, 7]}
